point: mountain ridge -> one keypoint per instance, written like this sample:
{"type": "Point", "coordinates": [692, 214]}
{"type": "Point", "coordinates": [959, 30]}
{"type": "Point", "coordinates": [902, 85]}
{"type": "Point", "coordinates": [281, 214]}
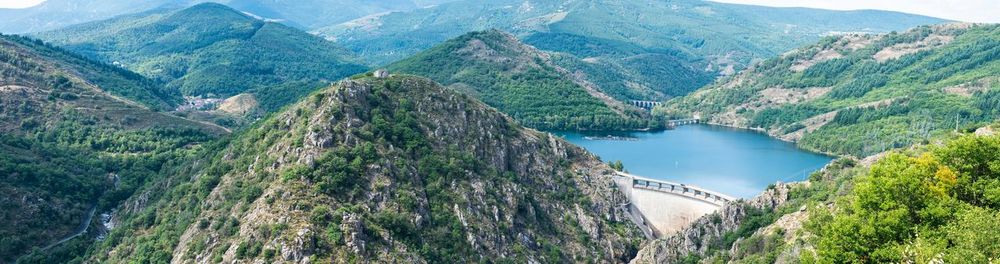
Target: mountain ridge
{"type": "Point", "coordinates": [54, 14]}
{"type": "Point", "coordinates": [697, 39]}
{"type": "Point", "coordinates": [362, 178]}
{"type": "Point", "coordinates": [523, 82]}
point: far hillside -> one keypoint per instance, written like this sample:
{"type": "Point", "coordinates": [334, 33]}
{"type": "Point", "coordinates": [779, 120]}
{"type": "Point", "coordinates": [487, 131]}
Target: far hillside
{"type": "Point", "coordinates": [642, 49]}
{"type": "Point", "coordinates": [54, 14]}
{"type": "Point", "coordinates": [211, 50]}
{"type": "Point", "coordinates": [522, 82]}
{"type": "Point", "coordinates": [863, 94]}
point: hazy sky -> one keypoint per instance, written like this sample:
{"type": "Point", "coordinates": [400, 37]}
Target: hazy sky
{"type": "Point", "coordinates": [961, 10]}
{"type": "Point", "coordinates": [18, 3]}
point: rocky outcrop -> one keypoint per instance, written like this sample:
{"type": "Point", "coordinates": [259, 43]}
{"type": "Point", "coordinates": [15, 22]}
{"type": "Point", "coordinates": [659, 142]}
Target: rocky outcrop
{"type": "Point", "coordinates": [709, 230]}
{"type": "Point", "coordinates": [400, 169]}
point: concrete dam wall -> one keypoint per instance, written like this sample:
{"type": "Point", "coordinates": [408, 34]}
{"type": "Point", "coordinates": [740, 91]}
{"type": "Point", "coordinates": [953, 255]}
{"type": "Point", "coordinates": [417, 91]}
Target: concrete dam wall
{"type": "Point", "coordinates": [662, 207]}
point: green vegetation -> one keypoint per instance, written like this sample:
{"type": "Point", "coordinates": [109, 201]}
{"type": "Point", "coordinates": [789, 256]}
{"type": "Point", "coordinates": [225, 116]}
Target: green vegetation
{"type": "Point", "coordinates": [519, 81]}
{"type": "Point", "coordinates": [861, 102]}
{"type": "Point", "coordinates": [73, 137]}
{"type": "Point", "coordinates": [212, 50]}
{"type": "Point", "coordinates": [301, 14]}
{"type": "Point", "coordinates": [625, 70]}
{"type": "Point", "coordinates": [46, 59]}
{"type": "Point", "coordinates": [937, 203]}
{"type": "Point", "coordinates": [423, 184]}
{"type": "Point", "coordinates": [940, 205]}
{"type": "Point", "coordinates": [638, 50]}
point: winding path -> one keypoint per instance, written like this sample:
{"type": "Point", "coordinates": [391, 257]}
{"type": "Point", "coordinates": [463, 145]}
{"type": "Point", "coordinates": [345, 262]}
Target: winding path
{"type": "Point", "coordinates": [79, 230]}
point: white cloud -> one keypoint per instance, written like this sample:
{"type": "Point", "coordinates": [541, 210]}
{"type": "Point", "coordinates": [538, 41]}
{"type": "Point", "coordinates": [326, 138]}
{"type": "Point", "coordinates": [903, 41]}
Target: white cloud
{"type": "Point", "coordinates": [19, 3]}
{"type": "Point", "coordinates": [987, 11]}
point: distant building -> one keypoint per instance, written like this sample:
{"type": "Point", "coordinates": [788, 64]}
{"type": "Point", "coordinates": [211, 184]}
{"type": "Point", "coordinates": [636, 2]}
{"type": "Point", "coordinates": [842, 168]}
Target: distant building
{"type": "Point", "coordinates": [381, 73]}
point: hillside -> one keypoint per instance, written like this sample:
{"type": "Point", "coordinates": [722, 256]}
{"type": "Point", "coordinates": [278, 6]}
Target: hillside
{"type": "Point", "coordinates": [385, 170]}
{"type": "Point", "coordinates": [111, 79]}
{"type": "Point", "coordinates": [863, 94]}
{"type": "Point", "coordinates": [210, 50]}
{"type": "Point", "coordinates": [522, 82]}
{"type": "Point", "coordinates": [74, 138]}
{"type": "Point", "coordinates": [665, 48]}
{"type": "Point", "coordinates": [933, 203]}
{"type": "Point", "coordinates": [54, 14]}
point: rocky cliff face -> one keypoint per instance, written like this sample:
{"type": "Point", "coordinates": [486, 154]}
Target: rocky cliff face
{"type": "Point", "coordinates": [399, 170]}
{"type": "Point", "coordinates": [709, 231]}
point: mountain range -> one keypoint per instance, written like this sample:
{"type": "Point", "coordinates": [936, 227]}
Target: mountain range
{"type": "Point", "coordinates": [105, 157]}
{"type": "Point", "coordinates": [54, 14]}
{"type": "Point", "coordinates": [664, 48]}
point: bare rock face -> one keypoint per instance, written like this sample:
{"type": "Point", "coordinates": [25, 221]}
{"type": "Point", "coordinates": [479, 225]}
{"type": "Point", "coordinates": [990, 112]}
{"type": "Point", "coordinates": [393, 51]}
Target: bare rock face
{"type": "Point", "coordinates": [355, 238]}
{"type": "Point", "coordinates": [709, 229]}
{"type": "Point", "coordinates": [985, 131]}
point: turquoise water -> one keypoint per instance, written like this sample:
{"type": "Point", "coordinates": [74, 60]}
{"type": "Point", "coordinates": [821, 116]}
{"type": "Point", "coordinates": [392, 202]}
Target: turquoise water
{"type": "Point", "coordinates": [736, 162]}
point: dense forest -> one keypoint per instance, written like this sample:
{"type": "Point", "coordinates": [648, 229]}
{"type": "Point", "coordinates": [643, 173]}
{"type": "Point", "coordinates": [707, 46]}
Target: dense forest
{"type": "Point", "coordinates": [521, 82]}
{"type": "Point", "coordinates": [862, 94]}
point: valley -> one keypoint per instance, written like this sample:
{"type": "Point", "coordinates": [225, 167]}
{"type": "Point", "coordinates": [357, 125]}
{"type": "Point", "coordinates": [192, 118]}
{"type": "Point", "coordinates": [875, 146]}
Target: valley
{"type": "Point", "coordinates": [508, 131]}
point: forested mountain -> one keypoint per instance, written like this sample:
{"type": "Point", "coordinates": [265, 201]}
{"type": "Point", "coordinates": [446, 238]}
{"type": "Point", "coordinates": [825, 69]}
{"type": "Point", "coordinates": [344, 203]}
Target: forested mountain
{"type": "Point", "coordinates": [522, 82]}
{"type": "Point", "coordinates": [662, 48]}
{"type": "Point", "coordinates": [77, 136]}
{"type": "Point", "coordinates": [397, 169]}
{"type": "Point", "coordinates": [53, 14]}
{"type": "Point", "coordinates": [863, 94]}
{"type": "Point", "coordinates": [212, 50]}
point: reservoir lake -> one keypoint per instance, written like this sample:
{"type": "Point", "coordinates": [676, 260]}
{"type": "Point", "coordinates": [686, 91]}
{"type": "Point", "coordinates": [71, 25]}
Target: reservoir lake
{"type": "Point", "coordinates": [736, 162]}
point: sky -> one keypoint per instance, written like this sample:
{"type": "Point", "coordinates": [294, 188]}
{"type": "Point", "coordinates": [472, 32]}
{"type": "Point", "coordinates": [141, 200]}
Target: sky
{"type": "Point", "coordinates": [19, 3]}
{"type": "Point", "coordinates": [961, 10]}
{"type": "Point", "coordinates": [986, 11]}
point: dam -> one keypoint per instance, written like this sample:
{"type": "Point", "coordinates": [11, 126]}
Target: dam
{"type": "Point", "coordinates": [662, 207]}
{"type": "Point", "coordinates": [676, 176]}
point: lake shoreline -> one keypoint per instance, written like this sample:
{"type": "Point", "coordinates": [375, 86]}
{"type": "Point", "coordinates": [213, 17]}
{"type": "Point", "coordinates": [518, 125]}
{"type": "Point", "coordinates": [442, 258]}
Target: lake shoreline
{"type": "Point", "coordinates": [736, 161]}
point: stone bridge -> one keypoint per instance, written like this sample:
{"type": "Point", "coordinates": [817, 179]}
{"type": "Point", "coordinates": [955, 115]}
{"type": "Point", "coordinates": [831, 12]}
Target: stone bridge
{"type": "Point", "coordinates": [648, 105]}
{"type": "Point", "coordinates": [679, 122]}
{"type": "Point", "coordinates": [661, 207]}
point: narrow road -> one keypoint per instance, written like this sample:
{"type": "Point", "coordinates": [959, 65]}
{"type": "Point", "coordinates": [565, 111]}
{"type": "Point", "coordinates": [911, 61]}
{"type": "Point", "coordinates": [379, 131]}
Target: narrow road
{"type": "Point", "coordinates": [79, 230]}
